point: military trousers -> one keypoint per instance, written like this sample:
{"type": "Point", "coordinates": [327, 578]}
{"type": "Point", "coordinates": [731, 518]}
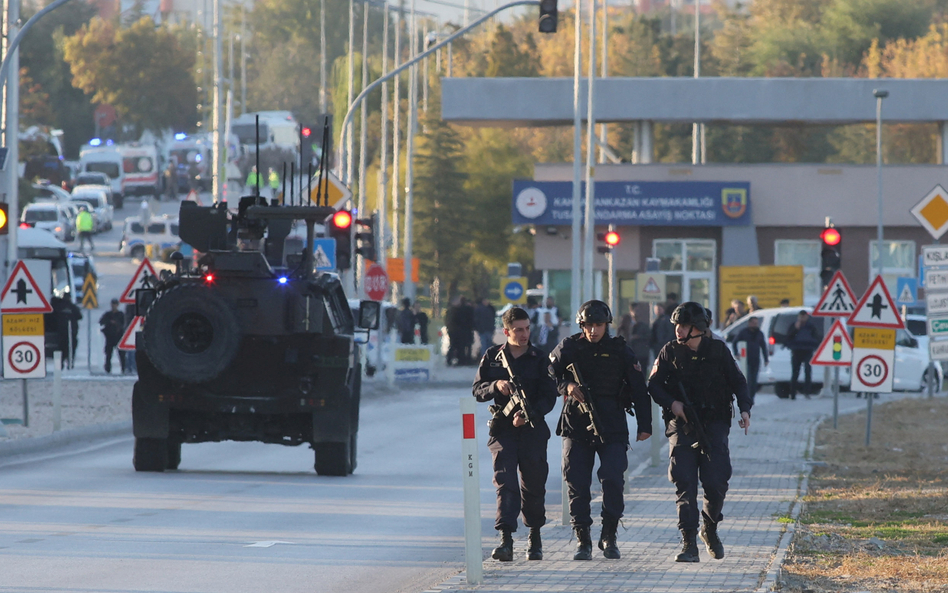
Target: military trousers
{"type": "Point", "coordinates": [688, 466]}
{"type": "Point", "coordinates": [579, 458]}
{"type": "Point", "coordinates": [524, 449]}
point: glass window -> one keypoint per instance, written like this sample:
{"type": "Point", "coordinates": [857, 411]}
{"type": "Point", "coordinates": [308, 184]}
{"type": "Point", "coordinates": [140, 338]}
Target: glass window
{"type": "Point", "coordinates": [136, 227]}
{"type": "Point", "coordinates": [40, 215]}
{"type": "Point", "coordinates": [174, 229]}
{"type": "Point", "coordinates": [898, 260]}
{"type": "Point", "coordinates": [110, 169]}
{"type": "Point", "coordinates": [700, 256]}
{"type": "Point", "coordinates": [806, 254]}
{"type": "Point", "coordinates": [157, 228]}
{"type": "Point", "coordinates": [669, 252]}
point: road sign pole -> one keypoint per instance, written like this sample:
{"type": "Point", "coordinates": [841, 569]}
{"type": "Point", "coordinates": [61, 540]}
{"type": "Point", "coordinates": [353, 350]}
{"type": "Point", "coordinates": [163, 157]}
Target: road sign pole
{"type": "Point", "coordinates": [835, 398]}
{"type": "Point", "coordinates": [26, 403]}
{"type": "Point", "coordinates": [57, 390]}
{"type": "Point", "coordinates": [89, 340]}
{"type": "Point", "coordinates": [932, 377]}
{"type": "Point", "coordinates": [869, 398]}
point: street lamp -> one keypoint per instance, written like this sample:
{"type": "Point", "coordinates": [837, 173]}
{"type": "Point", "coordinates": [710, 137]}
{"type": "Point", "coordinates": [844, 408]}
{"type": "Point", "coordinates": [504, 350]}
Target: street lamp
{"type": "Point", "coordinates": [879, 94]}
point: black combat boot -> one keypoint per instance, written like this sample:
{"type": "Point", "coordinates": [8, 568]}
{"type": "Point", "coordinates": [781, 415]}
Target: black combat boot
{"type": "Point", "coordinates": [584, 545]}
{"type": "Point", "coordinates": [607, 541]}
{"type": "Point", "coordinates": [535, 546]}
{"type": "Point", "coordinates": [504, 552]}
{"type": "Point", "coordinates": [689, 546]}
{"type": "Point", "coordinates": [709, 535]}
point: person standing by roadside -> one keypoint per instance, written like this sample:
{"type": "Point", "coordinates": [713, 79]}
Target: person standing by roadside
{"type": "Point", "coordinates": [406, 323]}
{"type": "Point", "coordinates": [514, 444]}
{"type": "Point", "coordinates": [421, 320]}
{"type": "Point", "coordinates": [756, 345]}
{"type": "Point", "coordinates": [484, 316]}
{"type": "Point", "coordinates": [752, 305]}
{"type": "Point", "coordinates": [85, 226]}
{"type": "Point", "coordinates": [273, 179]}
{"type": "Point", "coordinates": [112, 325]}
{"type": "Point", "coordinates": [640, 336]}
{"type": "Point", "coordinates": [802, 339]}
{"type": "Point", "coordinates": [613, 382]}
{"type": "Point", "coordinates": [663, 331]}
{"type": "Point", "coordinates": [732, 315]}
{"type": "Point", "coordinates": [698, 370]}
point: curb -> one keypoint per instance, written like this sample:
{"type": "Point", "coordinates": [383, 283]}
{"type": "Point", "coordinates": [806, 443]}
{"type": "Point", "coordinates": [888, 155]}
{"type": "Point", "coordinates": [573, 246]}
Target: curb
{"type": "Point", "coordinates": [92, 432]}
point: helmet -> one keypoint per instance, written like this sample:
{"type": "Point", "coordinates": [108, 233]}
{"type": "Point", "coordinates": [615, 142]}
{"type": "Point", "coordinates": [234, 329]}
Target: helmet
{"type": "Point", "coordinates": [594, 312]}
{"type": "Point", "coordinates": [690, 313]}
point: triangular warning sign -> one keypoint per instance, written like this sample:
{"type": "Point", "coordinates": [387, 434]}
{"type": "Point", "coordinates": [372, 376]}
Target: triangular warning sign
{"type": "Point", "coordinates": [876, 308]}
{"type": "Point", "coordinates": [836, 348]}
{"type": "Point", "coordinates": [321, 259]}
{"type": "Point", "coordinates": [128, 339]}
{"type": "Point", "coordinates": [22, 294]}
{"type": "Point", "coordinates": [144, 271]}
{"type": "Point", "coordinates": [838, 300]}
{"type": "Point", "coordinates": [651, 287]}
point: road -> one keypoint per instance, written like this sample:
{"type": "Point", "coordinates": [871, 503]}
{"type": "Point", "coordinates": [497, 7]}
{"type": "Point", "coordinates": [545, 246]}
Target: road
{"type": "Point", "coordinates": [85, 521]}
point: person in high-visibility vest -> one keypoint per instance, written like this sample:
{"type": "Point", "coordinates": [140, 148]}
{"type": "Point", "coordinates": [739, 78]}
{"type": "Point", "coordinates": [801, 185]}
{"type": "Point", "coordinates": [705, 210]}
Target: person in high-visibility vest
{"type": "Point", "coordinates": [253, 178]}
{"type": "Point", "coordinates": [85, 225]}
{"type": "Point", "coordinates": [274, 181]}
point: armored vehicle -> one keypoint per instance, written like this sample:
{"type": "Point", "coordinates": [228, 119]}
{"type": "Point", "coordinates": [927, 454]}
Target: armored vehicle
{"type": "Point", "coordinates": [249, 343]}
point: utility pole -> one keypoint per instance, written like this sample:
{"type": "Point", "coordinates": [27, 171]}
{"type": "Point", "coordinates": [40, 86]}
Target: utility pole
{"type": "Point", "coordinates": [363, 135]}
{"type": "Point", "coordinates": [383, 158]}
{"type": "Point", "coordinates": [590, 214]}
{"type": "Point", "coordinates": [603, 133]}
{"type": "Point", "coordinates": [697, 129]}
{"type": "Point", "coordinates": [11, 122]}
{"type": "Point", "coordinates": [349, 95]}
{"type": "Point", "coordinates": [323, 102]}
{"type": "Point", "coordinates": [576, 283]}
{"type": "Point", "coordinates": [409, 284]}
{"type": "Point", "coordinates": [396, 132]}
{"type": "Point", "coordinates": [217, 112]}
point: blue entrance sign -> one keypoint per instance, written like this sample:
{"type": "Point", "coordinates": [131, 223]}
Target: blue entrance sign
{"type": "Point", "coordinates": [324, 254]}
{"type": "Point", "coordinates": [906, 291]}
{"type": "Point", "coordinates": [645, 203]}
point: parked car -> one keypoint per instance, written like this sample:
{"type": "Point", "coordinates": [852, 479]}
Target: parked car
{"type": "Point", "coordinates": [48, 216]}
{"type": "Point", "coordinates": [160, 230]}
{"type": "Point", "coordinates": [99, 200]}
{"type": "Point", "coordinates": [78, 262]}
{"type": "Point", "coordinates": [911, 360]}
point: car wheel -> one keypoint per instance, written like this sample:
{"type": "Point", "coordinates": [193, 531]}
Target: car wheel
{"type": "Point", "coordinates": [151, 455]}
{"type": "Point", "coordinates": [192, 334]}
{"type": "Point", "coordinates": [138, 252]}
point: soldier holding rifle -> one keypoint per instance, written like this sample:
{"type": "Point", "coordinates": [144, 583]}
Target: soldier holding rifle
{"type": "Point", "coordinates": [694, 379]}
{"type": "Point", "coordinates": [515, 375]}
{"type": "Point", "coordinates": [600, 380]}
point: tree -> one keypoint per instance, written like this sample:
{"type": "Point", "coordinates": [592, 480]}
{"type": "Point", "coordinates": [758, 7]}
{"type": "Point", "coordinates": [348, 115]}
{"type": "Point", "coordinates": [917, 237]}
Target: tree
{"type": "Point", "coordinates": [143, 72]}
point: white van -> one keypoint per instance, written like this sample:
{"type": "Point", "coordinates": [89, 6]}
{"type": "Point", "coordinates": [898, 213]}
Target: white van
{"type": "Point", "coordinates": [911, 360]}
{"type": "Point", "coordinates": [278, 129]}
{"type": "Point", "coordinates": [108, 160]}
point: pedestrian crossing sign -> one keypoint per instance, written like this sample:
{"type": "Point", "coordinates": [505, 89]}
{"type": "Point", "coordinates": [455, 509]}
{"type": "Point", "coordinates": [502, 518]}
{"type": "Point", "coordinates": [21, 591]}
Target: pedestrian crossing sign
{"type": "Point", "coordinates": [324, 254]}
{"type": "Point", "coordinates": [838, 300]}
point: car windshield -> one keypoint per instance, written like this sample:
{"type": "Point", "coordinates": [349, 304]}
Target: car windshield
{"type": "Point", "coordinates": [781, 326]}
{"type": "Point", "coordinates": [95, 200]}
{"type": "Point", "coordinates": [918, 327]}
{"type": "Point", "coordinates": [92, 180]}
{"type": "Point", "coordinates": [156, 228]}
{"type": "Point", "coordinates": [40, 215]}
{"type": "Point", "coordinates": [110, 169]}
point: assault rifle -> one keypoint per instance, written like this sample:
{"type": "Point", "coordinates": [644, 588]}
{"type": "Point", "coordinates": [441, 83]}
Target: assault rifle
{"type": "Point", "coordinates": [588, 408]}
{"type": "Point", "coordinates": [692, 419]}
{"type": "Point", "coordinates": [518, 400]}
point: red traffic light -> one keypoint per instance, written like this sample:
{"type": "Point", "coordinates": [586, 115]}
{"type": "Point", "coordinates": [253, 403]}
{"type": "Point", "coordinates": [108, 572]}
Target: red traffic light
{"type": "Point", "coordinates": [830, 236]}
{"type": "Point", "coordinates": [342, 219]}
{"type": "Point", "coordinates": [306, 131]}
{"type": "Point", "coordinates": [612, 238]}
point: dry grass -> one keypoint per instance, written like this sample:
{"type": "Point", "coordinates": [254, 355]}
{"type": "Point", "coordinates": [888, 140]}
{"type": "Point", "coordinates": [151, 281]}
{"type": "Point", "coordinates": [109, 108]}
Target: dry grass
{"type": "Point", "coordinates": [876, 518]}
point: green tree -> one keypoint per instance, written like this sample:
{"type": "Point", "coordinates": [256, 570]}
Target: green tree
{"type": "Point", "coordinates": [143, 72]}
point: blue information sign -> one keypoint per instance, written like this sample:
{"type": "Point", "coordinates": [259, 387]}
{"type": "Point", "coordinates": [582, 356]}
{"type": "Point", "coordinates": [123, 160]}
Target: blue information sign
{"type": "Point", "coordinates": [324, 254]}
{"type": "Point", "coordinates": [513, 290]}
{"type": "Point", "coordinates": [906, 291]}
{"type": "Point", "coordinates": [634, 203]}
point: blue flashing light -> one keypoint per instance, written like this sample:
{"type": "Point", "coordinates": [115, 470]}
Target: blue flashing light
{"type": "Point", "coordinates": [282, 279]}
{"type": "Point", "coordinates": [180, 136]}
{"type": "Point", "coordinates": [95, 142]}
{"type": "Point", "coordinates": [198, 158]}
{"type": "Point", "coordinates": [109, 142]}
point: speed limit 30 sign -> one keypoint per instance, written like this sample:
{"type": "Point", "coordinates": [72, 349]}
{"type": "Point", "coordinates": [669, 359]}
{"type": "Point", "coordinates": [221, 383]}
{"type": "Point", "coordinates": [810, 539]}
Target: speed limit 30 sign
{"type": "Point", "coordinates": [24, 357]}
{"type": "Point", "coordinates": [873, 360]}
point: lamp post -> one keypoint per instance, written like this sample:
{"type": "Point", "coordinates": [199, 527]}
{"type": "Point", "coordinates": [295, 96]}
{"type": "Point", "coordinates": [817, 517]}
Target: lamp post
{"type": "Point", "coordinates": [879, 94]}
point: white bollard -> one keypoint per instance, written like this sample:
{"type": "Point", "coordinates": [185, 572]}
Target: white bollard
{"type": "Point", "coordinates": [473, 554]}
{"type": "Point", "coordinates": [57, 390]}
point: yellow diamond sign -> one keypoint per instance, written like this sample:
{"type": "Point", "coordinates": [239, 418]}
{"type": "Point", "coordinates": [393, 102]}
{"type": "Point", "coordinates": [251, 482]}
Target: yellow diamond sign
{"type": "Point", "coordinates": [932, 212]}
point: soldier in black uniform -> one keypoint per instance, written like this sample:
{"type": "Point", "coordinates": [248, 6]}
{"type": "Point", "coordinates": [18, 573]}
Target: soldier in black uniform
{"type": "Point", "coordinates": [705, 370]}
{"type": "Point", "coordinates": [513, 443]}
{"type": "Point", "coordinates": [615, 385]}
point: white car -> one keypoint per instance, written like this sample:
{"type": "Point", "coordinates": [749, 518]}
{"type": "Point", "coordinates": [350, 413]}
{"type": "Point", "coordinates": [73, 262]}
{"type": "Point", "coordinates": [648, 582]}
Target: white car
{"type": "Point", "coordinates": [911, 359]}
{"type": "Point", "coordinates": [49, 216]}
{"type": "Point", "coordinates": [99, 200]}
{"type": "Point", "coordinates": [160, 230]}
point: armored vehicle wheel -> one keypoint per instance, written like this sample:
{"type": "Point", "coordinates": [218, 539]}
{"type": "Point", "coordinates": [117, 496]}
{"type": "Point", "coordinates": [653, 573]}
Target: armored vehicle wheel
{"type": "Point", "coordinates": [192, 334]}
{"type": "Point", "coordinates": [353, 446]}
{"type": "Point", "coordinates": [151, 455]}
{"type": "Point", "coordinates": [174, 454]}
{"type": "Point", "coordinates": [333, 459]}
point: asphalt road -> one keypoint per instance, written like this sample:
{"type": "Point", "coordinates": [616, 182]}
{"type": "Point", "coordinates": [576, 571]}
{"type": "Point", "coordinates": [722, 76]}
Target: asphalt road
{"type": "Point", "coordinates": [251, 517]}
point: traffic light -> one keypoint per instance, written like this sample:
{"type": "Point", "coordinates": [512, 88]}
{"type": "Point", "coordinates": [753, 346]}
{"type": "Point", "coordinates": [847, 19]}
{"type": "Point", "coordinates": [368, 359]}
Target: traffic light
{"type": "Point", "coordinates": [307, 138]}
{"type": "Point", "coordinates": [830, 256]}
{"type": "Point", "coordinates": [4, 218]}
{"type": "Point", "coordinates": [837, 347]}
{"type": "Point", "coordinates": [339, 227]}
{"type": "Point", "coordinates": [611, 240]}
{"type": "Point", "coordinates": [548, 16]}
{"type": "Point", "coordinates": [365, 237]}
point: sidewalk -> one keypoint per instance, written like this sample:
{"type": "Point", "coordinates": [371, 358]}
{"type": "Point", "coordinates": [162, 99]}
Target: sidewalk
{"type": "Point", "coordinates": [770, 468]}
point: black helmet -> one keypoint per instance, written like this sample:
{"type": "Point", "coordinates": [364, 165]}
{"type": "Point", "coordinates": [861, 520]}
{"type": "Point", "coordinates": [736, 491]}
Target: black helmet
{"type": "Point", "coordinates": [690, 313]}
{"type": "Point", "coordinates": [594, 312]}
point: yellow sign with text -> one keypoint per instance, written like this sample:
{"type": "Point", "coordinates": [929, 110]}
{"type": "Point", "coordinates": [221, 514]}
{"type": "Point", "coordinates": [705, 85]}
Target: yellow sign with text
{"type": "Point", "coordinates": [868, 337]}
{"type": "Point", "coordinates": [412, 354]}
{"type": "Point", "coordinates": [770, 284]}
{"type": "Point", "coordinates": [25, 324]}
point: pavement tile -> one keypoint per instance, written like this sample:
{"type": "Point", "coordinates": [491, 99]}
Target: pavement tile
{"type": "Point", "coordinates": [769, 467]}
